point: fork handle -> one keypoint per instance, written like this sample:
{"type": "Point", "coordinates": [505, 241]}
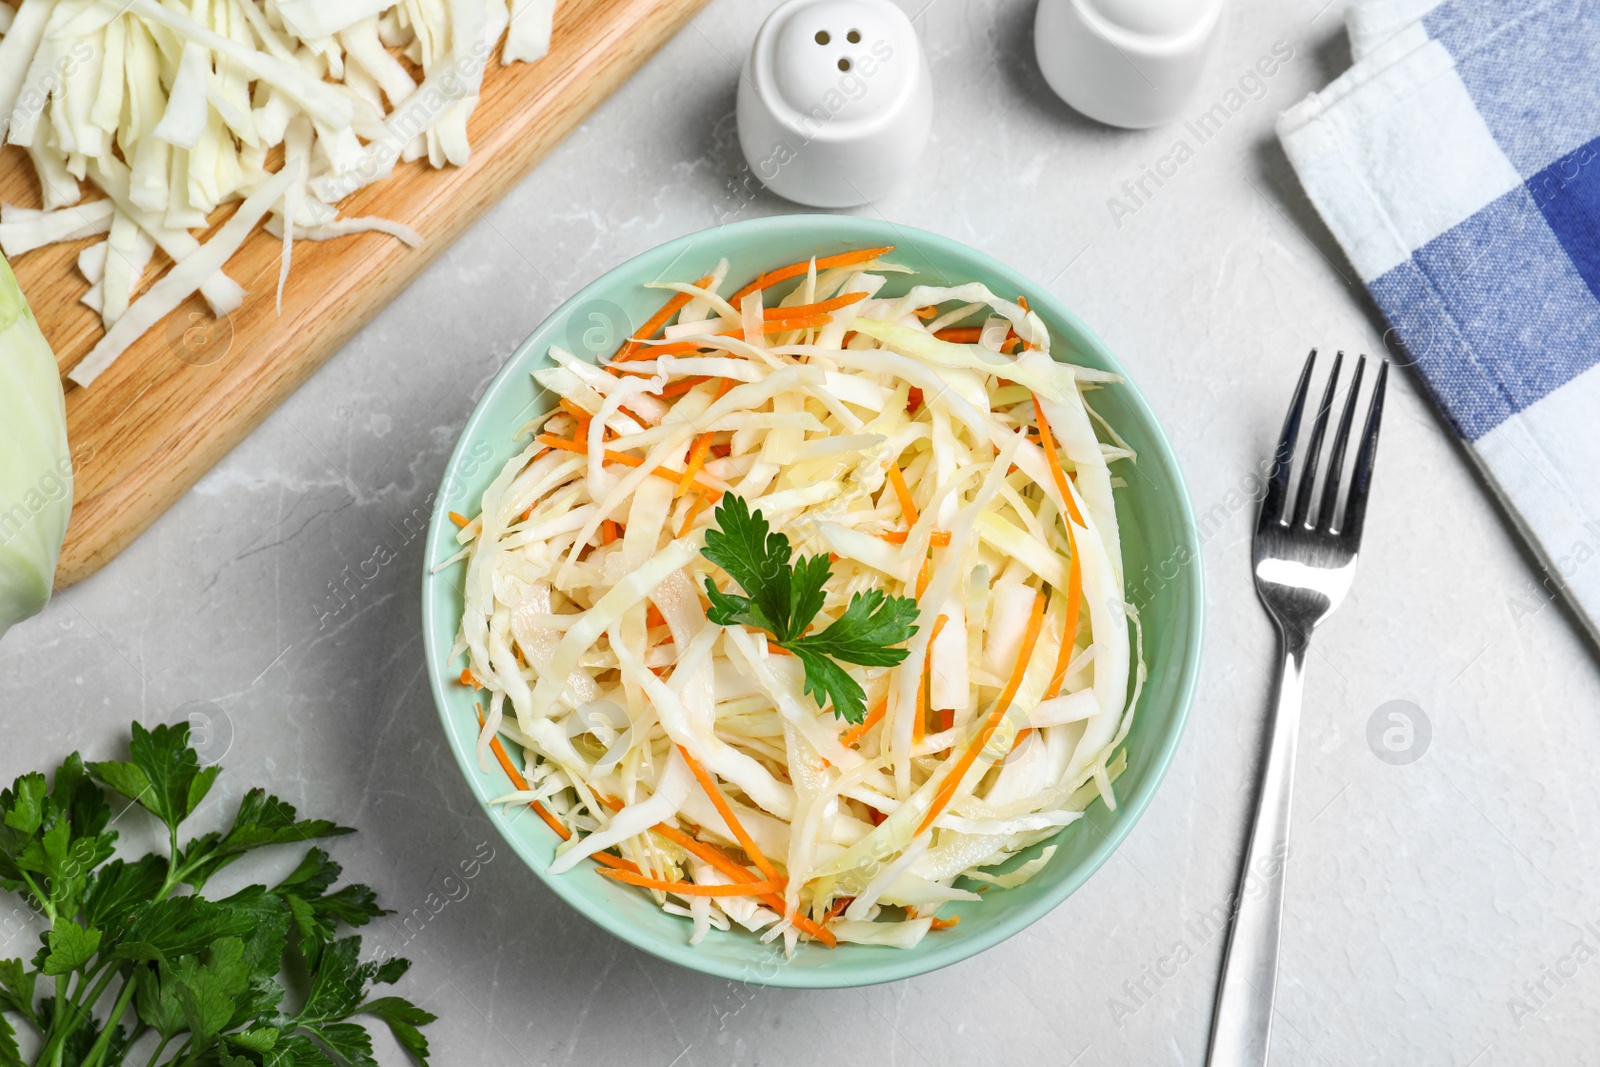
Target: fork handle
{"type": "Point", "coordinates": [1242, 1025]}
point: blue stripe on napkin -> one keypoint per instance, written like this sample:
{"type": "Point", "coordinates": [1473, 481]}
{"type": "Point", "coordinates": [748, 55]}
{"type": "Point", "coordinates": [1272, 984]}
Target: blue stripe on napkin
{"type": "Point", "coordinates": [1531, 69]}
{"type": "Point", "coordinates": [1568, 192]}
{"type": "Point", "coordinates": [1502, 279]}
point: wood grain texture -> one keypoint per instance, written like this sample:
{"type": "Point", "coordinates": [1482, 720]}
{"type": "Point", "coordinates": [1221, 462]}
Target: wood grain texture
{"type": "Point", "coordinates": [193, 387]}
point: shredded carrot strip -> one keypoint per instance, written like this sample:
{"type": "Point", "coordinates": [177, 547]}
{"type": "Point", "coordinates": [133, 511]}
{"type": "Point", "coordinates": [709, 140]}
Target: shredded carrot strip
{"type": "Point", "coordinates": [697, 459]}
{"type": "Point", "coordinates": [947, 719]}
{"type": "Point", "coordinates": [690, 889]}
{"type": "Point", "coordinates": [712, 855]}
{"type": "Point", "coordinates": [927, 312]}
{"type": "Point", "coordinates": [726, 864]}
{"type": "Point", "coordinates": [1022, 302]}
{"type": "Point", "coordinates": [938, 539]}
{"type": "Point", "coordinates": [708, 852]}
{"type": "Point", "coordinates": [971, 335]}
{"type": "Point", "coordinates": [696, 506]}
{"type": "Point", "coordinates": [678, 348]}
{"type": "Point", "coordinates": [659, 319]}
{"type": "Point", "coordinates": [653, 617]}
{"type": "Point", "coordinates": [944, 924]}
{"type": "Point", "coordinates": [682, 385]}
{"type": "Point", "coordinates": [1074, 565]}
{"type": "Point", "coordinates": [634, 415]}
{"type": "Point", "coordinates": [573, 409]}
{"type": "Point", "coordinates": [859, 730]}
{"type": "Point", "coordinates": [702, 446]}
{"type": "Point", "coordinates": [837, 908]}
{"type": "Point", "coordinates": [800, 922]}
{"type": "Point", "coordinates": [460, 519]}
{"type": "Point", "coordinates": [794, 270]}
{"type": "Point", "coordinates": [913, 400]}
{"type": "Point", "coordinates": [522, 784]}
{"type": "Point", "coordinates": [607, 858]}
{"type": "Point", "coordinates": [805, 322]}
{"type": "Point", "coordinates": [468, 678]}
{"type": "Point", "coordinates": [673, 348]}
{"type": "Point", "coordinates": [724, 809]}
{"type": "Point", "coordinates": [902, 493]}
{"type": "Point", "coordinates": [1047, 441]}
{"type": "Point", "coordinates": [922, 577]}
{"type": "Point", "coordinates": [608, 531]}
{"type": "Point", "coordinates": [952, 782]}
{"type": "Point", "coordinates": [795, 311]}
{"type": "Point", "coordinates": [617, 457]}
{"type": "Point", "coordinates": [919, 724]}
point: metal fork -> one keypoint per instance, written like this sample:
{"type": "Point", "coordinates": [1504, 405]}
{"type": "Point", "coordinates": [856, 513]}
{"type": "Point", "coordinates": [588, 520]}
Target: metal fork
{"type": "Point", "coordinates": [1304, 563]}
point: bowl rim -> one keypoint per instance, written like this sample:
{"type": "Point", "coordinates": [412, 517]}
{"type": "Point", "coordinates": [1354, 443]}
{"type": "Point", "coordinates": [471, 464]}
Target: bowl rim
{"type": "Point", "coordinates": [901, 963]}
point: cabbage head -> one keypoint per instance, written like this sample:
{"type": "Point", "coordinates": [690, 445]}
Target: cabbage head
{"type": "Point", "coordinates": [35, 465]}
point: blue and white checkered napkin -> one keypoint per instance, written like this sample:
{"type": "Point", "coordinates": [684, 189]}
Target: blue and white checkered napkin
{"type": "Point", "coordinates": [1458, 164]}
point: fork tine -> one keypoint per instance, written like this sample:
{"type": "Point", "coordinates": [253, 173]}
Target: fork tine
{"type": "Point", "coordinates": [1319, 427]}
{"type": "Point", "coordinates": [1341, 437]}
{"type": "Point", "coordinates": [1272, 505]}
{"type": "Point", "coordinates": [1355, 510]}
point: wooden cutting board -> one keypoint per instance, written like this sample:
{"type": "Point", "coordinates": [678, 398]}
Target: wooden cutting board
{"type": "Point", "coordinates": [194, 386]}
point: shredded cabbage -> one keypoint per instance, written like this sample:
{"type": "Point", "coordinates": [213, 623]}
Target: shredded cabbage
{"type": "Point", "coordinates": [881, 435]}
{"type": "Point", "coordinates": [171, 109]}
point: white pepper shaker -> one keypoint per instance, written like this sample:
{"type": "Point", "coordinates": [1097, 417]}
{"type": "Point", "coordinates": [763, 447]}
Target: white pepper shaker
{"type": "Point", "coordinates": [1131, 63]}
{"type": "Point", "coordinates": [835, 104]}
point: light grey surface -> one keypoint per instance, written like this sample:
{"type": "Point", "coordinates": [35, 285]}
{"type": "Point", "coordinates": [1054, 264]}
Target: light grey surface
{"type": "Point", "coordinates": [1434, 908]}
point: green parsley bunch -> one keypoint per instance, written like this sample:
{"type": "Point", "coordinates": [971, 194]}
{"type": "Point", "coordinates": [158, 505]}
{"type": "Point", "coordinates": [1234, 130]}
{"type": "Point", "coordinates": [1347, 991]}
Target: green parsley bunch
{"type": "Point", "coordinates": [199, 981]}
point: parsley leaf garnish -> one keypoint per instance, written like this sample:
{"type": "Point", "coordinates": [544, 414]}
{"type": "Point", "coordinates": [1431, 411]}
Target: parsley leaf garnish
{"type": "Point", "coordinates": [783, 597]}
{"type": "Point", "coordinates": [200, 979]}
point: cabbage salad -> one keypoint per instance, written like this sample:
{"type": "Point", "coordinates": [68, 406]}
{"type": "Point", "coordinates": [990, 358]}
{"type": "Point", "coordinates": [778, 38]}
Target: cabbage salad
{"type": "Point", "coordinates": [807, 612]}
{"type": "Point", "coordinates": [170, 109]}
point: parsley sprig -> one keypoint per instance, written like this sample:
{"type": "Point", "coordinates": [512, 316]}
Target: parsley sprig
{"type": "Point", "coordinates": [784, 596]}
{"type": "Point", "coordinates": [201, 976]}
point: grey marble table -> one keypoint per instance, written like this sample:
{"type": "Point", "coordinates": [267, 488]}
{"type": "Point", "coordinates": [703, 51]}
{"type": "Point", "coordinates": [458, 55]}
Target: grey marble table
{"type": "Point", "coordinates": [1440, 911]}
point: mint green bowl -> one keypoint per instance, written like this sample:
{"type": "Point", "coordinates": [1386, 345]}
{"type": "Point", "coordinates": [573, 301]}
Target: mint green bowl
{"type": "Point", "coordinates": [1161, 559]}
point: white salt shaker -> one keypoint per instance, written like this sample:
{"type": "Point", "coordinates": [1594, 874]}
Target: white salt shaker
{"type": "Point", "coordinates": [835, 104]}
{"type": "Point", "coordinates": [1128, 63]}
